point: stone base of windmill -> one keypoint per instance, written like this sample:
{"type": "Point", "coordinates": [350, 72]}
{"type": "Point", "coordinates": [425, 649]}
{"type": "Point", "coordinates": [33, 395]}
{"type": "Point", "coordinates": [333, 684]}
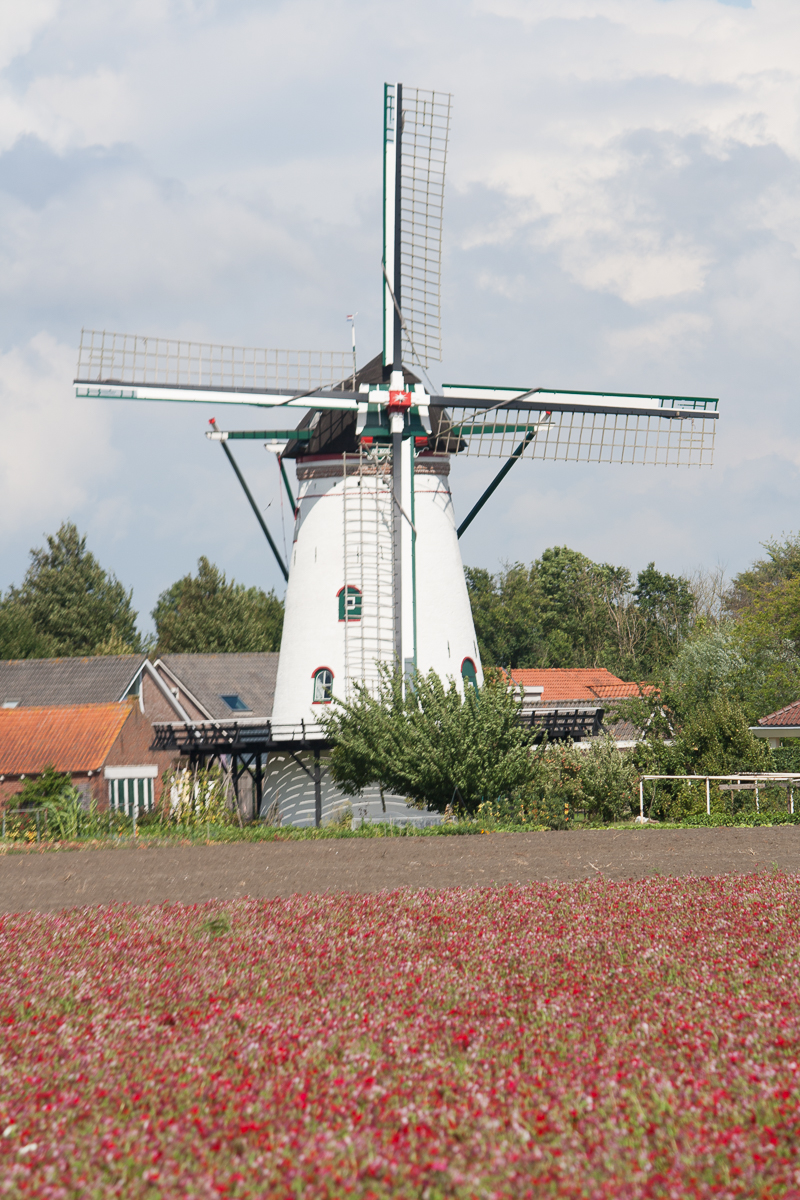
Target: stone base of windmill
{"type": "Point", "coordinates": [289, 798]}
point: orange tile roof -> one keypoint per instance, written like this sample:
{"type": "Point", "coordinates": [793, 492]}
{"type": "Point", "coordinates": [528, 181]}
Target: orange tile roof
{"type": "Point", "coordinates": [618, 691]}
{"type": "Point", "coordinates": [790, 715]}
{"type": "Point", "coordinates": [74, 738]}
{"type": "Point", "coordinates": [581, 683]}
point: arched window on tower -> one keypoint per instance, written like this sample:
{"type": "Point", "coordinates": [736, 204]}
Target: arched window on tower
{"type": "Point", "coordinates": [323, 685]}
{"type": "Point", "coordinates": [468, 673]}
{"type": "Point", "coordinates": [349, 603]}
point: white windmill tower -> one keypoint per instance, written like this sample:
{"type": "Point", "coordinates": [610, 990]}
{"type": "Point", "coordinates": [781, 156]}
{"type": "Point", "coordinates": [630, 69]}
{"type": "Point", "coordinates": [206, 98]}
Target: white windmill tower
{"type": "Point", "coordinates": [376, 575]}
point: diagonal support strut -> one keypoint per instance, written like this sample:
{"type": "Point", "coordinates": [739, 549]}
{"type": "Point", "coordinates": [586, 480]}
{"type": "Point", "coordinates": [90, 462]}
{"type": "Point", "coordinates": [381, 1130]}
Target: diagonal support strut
{"type": "Point", "coordinates": [255, 508]}
{"type": "Point", "coordinates": [498, 479]}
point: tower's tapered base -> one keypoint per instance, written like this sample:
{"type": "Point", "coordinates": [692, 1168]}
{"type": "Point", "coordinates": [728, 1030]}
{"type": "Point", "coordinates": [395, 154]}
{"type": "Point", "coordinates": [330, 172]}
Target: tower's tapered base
{"type": "Point", "coordinates": [340, 620]}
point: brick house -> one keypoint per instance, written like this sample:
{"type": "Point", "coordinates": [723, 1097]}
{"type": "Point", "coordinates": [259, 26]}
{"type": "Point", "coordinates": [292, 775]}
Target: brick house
{"type": "Point", "coordinates": [209, 687]}
{"type": "Point", "coordinates": [105, 749]}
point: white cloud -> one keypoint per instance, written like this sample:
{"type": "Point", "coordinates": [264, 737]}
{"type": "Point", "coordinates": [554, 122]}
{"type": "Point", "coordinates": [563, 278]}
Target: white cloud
{"type": "Point", "coordinates": [661, 337]}
{"type": "Point", "coordinates": [51, 456]}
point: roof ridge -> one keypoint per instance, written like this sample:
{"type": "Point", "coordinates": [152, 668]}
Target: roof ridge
{"type": "Point", "coordinates": [779, 711]}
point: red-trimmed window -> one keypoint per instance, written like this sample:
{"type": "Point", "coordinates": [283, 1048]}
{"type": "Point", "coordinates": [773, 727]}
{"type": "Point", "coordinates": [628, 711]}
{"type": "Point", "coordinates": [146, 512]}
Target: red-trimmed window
{"type": "Point", "coordinates": [468, 672]}
{"type": "Point", "coordinates": [323, 685]}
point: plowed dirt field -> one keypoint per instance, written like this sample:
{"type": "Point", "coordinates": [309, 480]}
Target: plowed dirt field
{"type": "Point", "coordinates": [46, 882]}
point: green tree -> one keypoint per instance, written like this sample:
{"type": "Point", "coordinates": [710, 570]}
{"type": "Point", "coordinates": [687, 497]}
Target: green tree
{"type": "Point", "coordinates": [53, 790]}
{"type": "Point", "coordinates": [708, 665]}
{"type": "Point", "coordinates": [567, 611]}
{"type": "Point", "coordinates": [666, 605]}
{"type": "Point", "coordinates": [40, 790]}
{"type": "Point", "coordinates": [551, 615]}
{"type": "Point", "coordinates": [205, 614]}
{"type": "Point", "coordinates": [431, 744]}
{"type": "Point", "coordinates": [19, 637]}
{"type": "Point", "coordinates": [763, 604]}
{"type": "Point", "coordinates": [609, 781]}
{"type": "Point", "coordinates": [572, 607]}
{"type": "Point", "coordinates": [692, 731]}
{"type": "Point", "coordinates": [505, 612]}
{"type": "Point", "coordinates": [715, 739]}
{"type": "Point", "coordinates": [767, 575]}
{"type": "Point", "coordinates": [68, 602]}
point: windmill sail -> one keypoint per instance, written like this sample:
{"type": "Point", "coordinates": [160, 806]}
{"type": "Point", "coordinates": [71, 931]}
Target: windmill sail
{"type": "Point", "coordinates": [425, 131]}
{"type": "Point", "coordinates": [157, 365]}
{"type": "Point", "coordinates": [579, 426]}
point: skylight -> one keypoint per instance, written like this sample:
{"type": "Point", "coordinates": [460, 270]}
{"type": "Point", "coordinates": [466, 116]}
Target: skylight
{"type": "Point", "coordinates": [236, 703]}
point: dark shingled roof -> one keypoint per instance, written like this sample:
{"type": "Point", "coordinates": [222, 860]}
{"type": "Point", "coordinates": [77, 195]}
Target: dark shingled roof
{"type": "Point", "coordinates": [101, 679]}
{"type": "Point", "coordinates": [209, 677]}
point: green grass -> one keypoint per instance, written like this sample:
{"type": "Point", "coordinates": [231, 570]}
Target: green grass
{"type": "Point", "coordinates": [170, 835]}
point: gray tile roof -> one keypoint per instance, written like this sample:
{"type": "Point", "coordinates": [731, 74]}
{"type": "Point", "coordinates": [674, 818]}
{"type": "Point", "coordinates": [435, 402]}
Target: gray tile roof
{"type": "Point", "coordinates": [55, 681]}
{"type": "Point", "coordinates": [209, 677]}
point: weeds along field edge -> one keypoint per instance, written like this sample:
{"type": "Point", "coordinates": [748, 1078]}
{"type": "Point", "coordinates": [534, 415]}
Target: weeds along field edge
{"type": "Point", "coordinates": [201, 833]}
{"type": "Point", "coordinates": [635, 1039]}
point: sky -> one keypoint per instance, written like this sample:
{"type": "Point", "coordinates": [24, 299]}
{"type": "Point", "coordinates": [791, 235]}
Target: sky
{"type": "Point", "coordinates": [621, 214]}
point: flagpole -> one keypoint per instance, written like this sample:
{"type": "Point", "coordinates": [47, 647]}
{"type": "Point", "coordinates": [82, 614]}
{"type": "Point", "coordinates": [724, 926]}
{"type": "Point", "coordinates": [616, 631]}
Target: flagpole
{"type": "Point", "coordinates": [351, 317]}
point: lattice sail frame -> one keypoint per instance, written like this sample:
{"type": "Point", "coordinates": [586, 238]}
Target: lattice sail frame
{"type": "Point", "coordinates": [583, 437]}
{"type": "Point", "coordinates": [579, 426]}
{"type": "Point", "coordinates": [425, 134]}
{"type": "Point", "coordinates": [105, 357]}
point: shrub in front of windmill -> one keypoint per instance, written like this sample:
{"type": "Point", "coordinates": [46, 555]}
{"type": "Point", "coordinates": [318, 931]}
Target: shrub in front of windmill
{"type": "Point", "coordinates": [430, 742]}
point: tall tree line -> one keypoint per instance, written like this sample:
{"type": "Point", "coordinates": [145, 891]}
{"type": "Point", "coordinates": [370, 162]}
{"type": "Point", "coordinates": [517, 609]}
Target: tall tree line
{"type": "Point", "coordinates": [567, 611]}
{"type": "Point", "coordinates": [68, 605]}
{"type": "Point", "coordinates": [699, 637]}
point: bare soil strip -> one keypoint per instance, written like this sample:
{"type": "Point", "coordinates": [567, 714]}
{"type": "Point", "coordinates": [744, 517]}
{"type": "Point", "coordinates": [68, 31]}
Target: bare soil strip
{"type": "Point", "coordinates": [193, 874]}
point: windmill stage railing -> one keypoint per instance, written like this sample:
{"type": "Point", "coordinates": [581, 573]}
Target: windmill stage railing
{"type": "Point", "coordinates": [105, 357]}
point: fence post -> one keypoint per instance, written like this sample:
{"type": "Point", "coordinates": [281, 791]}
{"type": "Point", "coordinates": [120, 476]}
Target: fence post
{"type": "Point", "coordinates": [641, 798]}
{"type": "Point", "coordinates": [134, 810]}
{"type": "Point", "coordinates": [317, 789]}
{"type": "Point", "coordinates": [38, 826]}
{"type": "Point", "coordinates": [791, 805]}
{"type": "Point", "coordinates": [708, 796]}
{"type": "Point", "coordinates": [758, 806]}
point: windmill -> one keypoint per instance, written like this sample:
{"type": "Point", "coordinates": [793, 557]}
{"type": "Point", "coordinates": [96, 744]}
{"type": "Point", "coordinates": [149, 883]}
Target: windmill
{"type": "Point", "coordinates": [375, 574]}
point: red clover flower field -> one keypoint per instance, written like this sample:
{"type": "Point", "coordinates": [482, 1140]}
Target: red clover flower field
{"type": "Point", "coordinates": [634, 1039]}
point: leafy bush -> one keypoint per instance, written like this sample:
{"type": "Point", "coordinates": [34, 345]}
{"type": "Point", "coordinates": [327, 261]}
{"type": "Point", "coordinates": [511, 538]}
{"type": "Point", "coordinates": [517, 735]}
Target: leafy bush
{"type": "Point", "coordinates": [609, 781]}
{"type": "Point", "coordinates": [429, 742]}
{"type": "Point", "coordinates": [53, 791]}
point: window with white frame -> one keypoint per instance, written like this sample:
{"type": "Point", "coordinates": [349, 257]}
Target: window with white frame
{"type": "Point", "coordinates": [323, 685]}
{"type": "Point", "coordinates": [131, 788]}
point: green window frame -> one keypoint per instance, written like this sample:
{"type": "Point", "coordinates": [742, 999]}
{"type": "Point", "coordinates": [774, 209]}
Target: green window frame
{"type": "Point", "coordinates": [349, 603]}
{"type": "Point", "coordinates": [469, 673]}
